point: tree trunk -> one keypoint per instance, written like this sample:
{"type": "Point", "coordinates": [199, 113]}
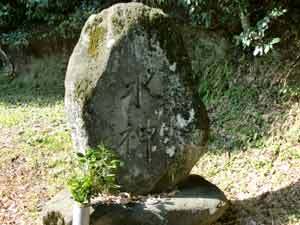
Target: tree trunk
{"type": "Point", "coordinates": [6, 65]}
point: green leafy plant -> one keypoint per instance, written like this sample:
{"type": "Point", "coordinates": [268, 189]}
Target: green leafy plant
{"type": "Point", "coordinates": [256, 34]}
{"type": "Point", "coordinates": [25, 20]}
{"type": "Point", "coordinates": [94, 175]}
{"type": "Point", "coordinates": [255, 37]}
{"type": "Point", "coordinates": [63, 19]}
{"type": "Point", "coordinates": [199, 11]}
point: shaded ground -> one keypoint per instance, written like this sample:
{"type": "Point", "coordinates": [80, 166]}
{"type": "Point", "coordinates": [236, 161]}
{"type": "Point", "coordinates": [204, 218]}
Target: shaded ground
{"type": "Point", "coordinates": [280, 206]}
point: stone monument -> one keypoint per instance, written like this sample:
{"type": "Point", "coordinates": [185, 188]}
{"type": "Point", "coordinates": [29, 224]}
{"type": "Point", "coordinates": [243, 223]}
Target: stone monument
{"type": "Point", "coordinates": [129, 86]}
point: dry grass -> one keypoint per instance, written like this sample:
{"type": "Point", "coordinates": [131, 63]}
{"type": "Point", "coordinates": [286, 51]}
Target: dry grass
{"type": "Point", "coordinates": [34, 143]}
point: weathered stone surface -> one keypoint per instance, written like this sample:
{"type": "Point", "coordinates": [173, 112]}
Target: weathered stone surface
{"type": "Point", "coordinates": [128, 86]}
{"type": "Point", "coordinates": [58, 211]}
{"type": "Point", "coordinates": [197, 202]}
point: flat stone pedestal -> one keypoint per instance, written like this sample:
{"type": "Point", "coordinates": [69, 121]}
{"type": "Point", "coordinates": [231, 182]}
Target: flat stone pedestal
{"type": "Point", "coordinates": [197, 202]}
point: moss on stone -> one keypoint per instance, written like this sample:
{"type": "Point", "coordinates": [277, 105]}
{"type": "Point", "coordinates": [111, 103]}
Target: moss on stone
{"type": "Point", "coordinates": [155, 21]}
{"type": "Point", "coordinates": [118, 24]}
{"type": "Point", "coordinates": [97, 37]}
{"type": "Point", "coordinates": [82, 90]}
{"type": "Point", "coordinates": [164, 28]}
{"type": "Point", "coordinates": [170, 42]}
{"type": "Point", "coordinates": [155, 15]}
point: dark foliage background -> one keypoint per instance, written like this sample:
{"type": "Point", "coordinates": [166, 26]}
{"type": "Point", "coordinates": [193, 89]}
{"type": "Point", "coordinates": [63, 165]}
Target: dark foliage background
{"type": "Point", "coordinates": [22, 21]}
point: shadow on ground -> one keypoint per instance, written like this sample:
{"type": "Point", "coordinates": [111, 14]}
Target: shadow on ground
{"type": "Point", "coordinates": [273, 207]}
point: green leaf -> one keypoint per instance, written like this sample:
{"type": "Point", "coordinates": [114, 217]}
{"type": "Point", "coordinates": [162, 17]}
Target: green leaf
{"type": "Point", "coordinates": [96, 175]}
{"type": "Point", "coordinates": [275, 41]}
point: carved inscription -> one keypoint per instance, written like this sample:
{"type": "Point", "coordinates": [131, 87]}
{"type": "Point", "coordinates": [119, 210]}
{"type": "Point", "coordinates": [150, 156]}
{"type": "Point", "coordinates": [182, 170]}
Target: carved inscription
{"type": "Point", "coordinates": [144, 132]}
{"type": "Point", "coordinates": [125, 140]}
{"type": "Point", "coordinates": [150, 131]}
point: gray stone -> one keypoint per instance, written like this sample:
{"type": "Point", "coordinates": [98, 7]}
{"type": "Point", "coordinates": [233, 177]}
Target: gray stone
{"type": "Point", "coordinates": [197, 202]}
{"type": "Point", "coordinates": [129, 87]}
{"type": "Point", "coordinates": [58, 211]}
